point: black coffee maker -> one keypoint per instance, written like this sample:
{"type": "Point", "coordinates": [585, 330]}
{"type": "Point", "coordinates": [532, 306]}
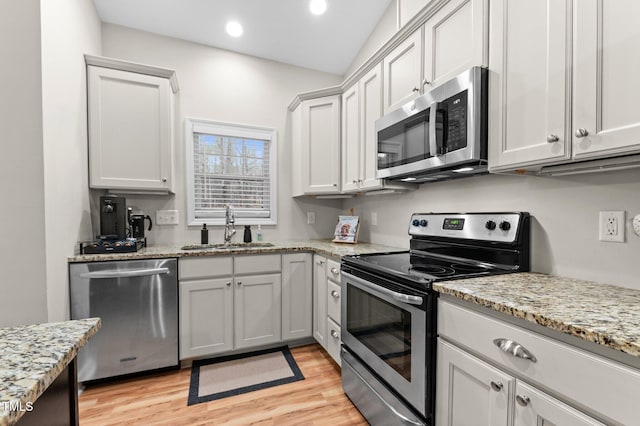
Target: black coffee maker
{"type": "Point", "coordinates": [136, 224]}
{"type": "Point", "coordinates": [113, 218]}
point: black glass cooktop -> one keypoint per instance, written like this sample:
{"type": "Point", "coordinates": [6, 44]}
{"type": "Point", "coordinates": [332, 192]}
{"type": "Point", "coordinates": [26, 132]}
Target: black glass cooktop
{"type": "Point", "coordinates": [419, 268]}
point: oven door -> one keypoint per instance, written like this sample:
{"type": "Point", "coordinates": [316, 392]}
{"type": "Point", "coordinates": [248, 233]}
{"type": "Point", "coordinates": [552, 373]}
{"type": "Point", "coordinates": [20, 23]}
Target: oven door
{"type": "Point", "coordinates": [386, 329]}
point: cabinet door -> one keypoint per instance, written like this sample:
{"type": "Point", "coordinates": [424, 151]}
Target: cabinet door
{"type": "Point", "coordinates": [370, 110]}
{"type": "Point", "coordinates": [333, 300]}
{"type": "Point", "coordinates": [470, 391]}
{"type": "Point", "coordinates": [320, 300]}
{"type": "Point", "coordinates": [258, 310]}
{"type": "Point", "coordinates": [606, 84]}
{"type": "Point", "coordinates": [130, 130]}
{"type": "Point", "coordinates": [456, 38]}
{"type": "Point", "coordinates": [206, 317]}
{"type": "Point", "coordinates": [351, 149]}
{"type": "Point", "coordinates": [402, 71]}
{"type": "Point", "coordinates": [529, 97]}
{"type": "Point", "coordinates": [321, 145]}
{"type": "Point", "coordinates": [535, 408]}
{"type": "Point", "coordinates": [333, 340]}
{"type": "Point", "coordinates": [297, 289]}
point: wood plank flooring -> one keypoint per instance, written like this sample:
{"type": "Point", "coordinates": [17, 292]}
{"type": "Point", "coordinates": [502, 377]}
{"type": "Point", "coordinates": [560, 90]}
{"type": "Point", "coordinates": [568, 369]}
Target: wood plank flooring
{"type": "Point", "coordinates": [161, 399]}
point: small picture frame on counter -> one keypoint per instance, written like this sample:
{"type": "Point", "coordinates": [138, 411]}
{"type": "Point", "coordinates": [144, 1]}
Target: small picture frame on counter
{"type": "Point", "coordinates": [347, 229]}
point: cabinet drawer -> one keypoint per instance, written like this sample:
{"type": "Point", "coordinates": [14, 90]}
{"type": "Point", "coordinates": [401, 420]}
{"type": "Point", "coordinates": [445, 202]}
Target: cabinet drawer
{"type": "Point", "coordinates": [333, 343]}
{"type": "Point", "coordinates": [205, 267]}
{"type": "Point", "coordinates": [257, 264]}
{"type": "Point", "coordinates": [587, 379]}
{"type": "Point", "coordinates": [333, 270]}
{"type": "Point", "coordinates": [333, 301]}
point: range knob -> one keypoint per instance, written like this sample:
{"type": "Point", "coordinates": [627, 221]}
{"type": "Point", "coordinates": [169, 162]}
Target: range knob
{"type": "Point", "coordinates": [415, 222]}
{"type": "Point", "coordinates": [423, 223]}
{"type": "Point", "coordinates": [505, 226]}
{"type": "Point", "coordinates": [490, 225]}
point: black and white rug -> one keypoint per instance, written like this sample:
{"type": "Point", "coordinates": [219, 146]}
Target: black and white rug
{"type": "Point", "coordinates": [221, 377]}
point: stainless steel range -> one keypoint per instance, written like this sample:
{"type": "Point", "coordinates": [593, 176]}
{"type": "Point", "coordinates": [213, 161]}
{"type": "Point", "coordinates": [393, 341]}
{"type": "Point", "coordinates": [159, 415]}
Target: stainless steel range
{"type": "Point", "coordinates": [389, 308]}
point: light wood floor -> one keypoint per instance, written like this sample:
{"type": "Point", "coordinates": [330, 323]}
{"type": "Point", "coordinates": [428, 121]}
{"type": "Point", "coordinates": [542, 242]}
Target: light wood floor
{"type": "Point", "coordinates": [161, 399]}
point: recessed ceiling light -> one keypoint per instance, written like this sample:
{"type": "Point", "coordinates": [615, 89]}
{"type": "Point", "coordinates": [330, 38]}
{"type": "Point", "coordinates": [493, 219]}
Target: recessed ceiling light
{"type": "Point", "coordinates": [234, 29]}
{"type": "Point", "coordinates": [318, 7]}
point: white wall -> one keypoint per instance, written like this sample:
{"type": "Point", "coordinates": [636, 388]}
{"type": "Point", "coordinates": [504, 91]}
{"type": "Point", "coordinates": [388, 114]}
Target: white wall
{"type": "Point", "coordinates": [22, 252]}
{"type": "Point", "coordinates": [70, 28]}
{"type": "Point", "coordinates": [225, 86]}
{"type": "Point", "coordinates": [565, 210]}
{"type": "Point", "coordinates": [384, 30]}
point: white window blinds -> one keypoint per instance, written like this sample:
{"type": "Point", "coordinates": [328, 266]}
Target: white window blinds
{"type": "Point", "coordinates": [231, 165]}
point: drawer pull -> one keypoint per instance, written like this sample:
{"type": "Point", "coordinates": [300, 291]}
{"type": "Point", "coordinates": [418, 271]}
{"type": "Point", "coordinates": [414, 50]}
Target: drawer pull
{"type": "Point", "coordinates": [335, 294]}
{"type": "Point", "coordinates": [523, 400]}
{"type": "Point", "coordinates": [334, 271]}
{"type": "Point", "coordinates": [496, 386]}
{"type": "Point", "coordinates": [334, 334]}
{"type": "Point", "coordinates": [514, 348]}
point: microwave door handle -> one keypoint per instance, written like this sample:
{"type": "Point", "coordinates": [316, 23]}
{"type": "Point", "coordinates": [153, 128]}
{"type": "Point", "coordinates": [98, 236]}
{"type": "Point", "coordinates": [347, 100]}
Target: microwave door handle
{"type": "Point", "coordinates": [433, 142]}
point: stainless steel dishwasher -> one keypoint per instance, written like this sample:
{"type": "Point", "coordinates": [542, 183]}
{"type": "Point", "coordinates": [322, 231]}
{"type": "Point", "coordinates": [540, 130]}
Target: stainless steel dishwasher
{"type": "Point", "coordinates": [137, 301]}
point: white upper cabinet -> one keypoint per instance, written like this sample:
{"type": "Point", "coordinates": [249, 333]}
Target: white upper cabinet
{"type": "Point", "coordinates": [528, 83]}
{"type": "Point", "coordinates": [402, 72]}
{"type": "Point", "coordinates": [320, 145]}
{"type": "Point", "coordinates": [563, 83]}
{"type": "Point", "coordinates": [407, 9]}
{"type": "Point", "coordinates": [605, 80]}
{"type": "Point", "coordinates": [130, 126]}
{"type": "Point", "coordinates": [456, 38]}
{"type": "Point", "coordinates": [351, 141]}
{"type": "Point", "coordinates": [370, 110]}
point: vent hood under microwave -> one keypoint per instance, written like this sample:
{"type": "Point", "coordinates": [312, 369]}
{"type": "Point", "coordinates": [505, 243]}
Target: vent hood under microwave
{"type": "Point", "coordinates": [439, 135]}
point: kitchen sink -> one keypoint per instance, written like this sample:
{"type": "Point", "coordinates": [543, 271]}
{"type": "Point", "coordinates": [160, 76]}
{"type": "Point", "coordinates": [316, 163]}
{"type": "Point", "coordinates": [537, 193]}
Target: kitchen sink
{"type": "Point", "coordinates": [222, 246]}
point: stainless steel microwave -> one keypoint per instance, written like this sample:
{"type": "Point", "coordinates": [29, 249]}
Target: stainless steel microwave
{"type": "Point", "coordinates": [439, 135]}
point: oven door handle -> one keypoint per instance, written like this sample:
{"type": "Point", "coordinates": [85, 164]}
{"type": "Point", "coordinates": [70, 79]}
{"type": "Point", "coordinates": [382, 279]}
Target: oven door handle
{"type": "Point", "coordinates": [400, 297]}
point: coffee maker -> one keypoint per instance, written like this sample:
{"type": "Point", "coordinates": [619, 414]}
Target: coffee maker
{"type": "Point", "coordinates": [113, 218]}
{"type": "Point", "coordinates": [136, 224]}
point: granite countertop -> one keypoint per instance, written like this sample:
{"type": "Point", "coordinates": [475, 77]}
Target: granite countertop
{"type": "Point", "coordinates": [322, 247]}
{"type": "Point", "coordinates": [604, 314]}
{"type": "Point", "coordinates": [32, 357]}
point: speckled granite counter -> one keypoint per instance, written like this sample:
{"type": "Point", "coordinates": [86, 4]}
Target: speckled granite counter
{"type": "Point", "coordinates": [32, 357]}
{"type": "Point", "coordinates": [322, 247]}
{"type": "Point", "coordinates": [604, 314]}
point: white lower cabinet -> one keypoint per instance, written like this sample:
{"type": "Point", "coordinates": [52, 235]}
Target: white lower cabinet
{"type": "Point", "coordinates": [469, 391]}
{"type": "Point", "coordinates": [229, 302]}
{"type": "Point", "coordinates": [297, 295]}
{"type": "Point", "coordinates": [333, 340]}
{"type": "Point", "coordinates": [320, 300]}
{"type": "Point", "coordinates": [493, 372]}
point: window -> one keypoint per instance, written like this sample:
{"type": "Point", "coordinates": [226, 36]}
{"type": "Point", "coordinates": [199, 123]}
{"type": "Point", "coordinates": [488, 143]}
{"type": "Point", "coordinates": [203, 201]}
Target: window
{"type": "Point", "coordinates": [230, 164]}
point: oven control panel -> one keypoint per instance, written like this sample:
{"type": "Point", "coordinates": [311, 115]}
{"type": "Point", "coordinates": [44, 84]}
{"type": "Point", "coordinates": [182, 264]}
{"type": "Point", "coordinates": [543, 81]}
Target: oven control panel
{"type": "Point", "coordinates": [498, 227]}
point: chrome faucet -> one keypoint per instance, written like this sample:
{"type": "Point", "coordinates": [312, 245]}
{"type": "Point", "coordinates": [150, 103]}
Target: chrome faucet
{"type": "Point", "coordinates": [229, 223]}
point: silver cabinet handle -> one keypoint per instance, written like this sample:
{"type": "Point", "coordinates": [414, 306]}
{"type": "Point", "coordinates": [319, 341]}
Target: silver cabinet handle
{"type": "Point", "coordinates": [164, 179]}
{"type": "Point", "coordinates": [239, 282]}
{"type": "Point", "coordinates": [514, 348]}
{"type": "Point", "coordinates": [496, 386]}
{"type": "Point", "coordinates": [229, 283]}
{"type": "Point", "coordinates": [334, 271]}
{"type": "Point", "coordinates": [335, 294]}
{"type": "Point", "coordinates": [552, 138]}
{"type": "Point", "coordinates": [581, 132]}
{"type": "Point", "coordinates": [415, 89]}
{"type": "Point", "coordinates": [425, 82]}
{"type": "Point", "coordinates": [125, 274]}
{"type": "Point", "coordinates": [523, 400]}
{"type": "Point", "coordinates": [320, 262]}
{"type": "Point", "coordinates": [334, 334]}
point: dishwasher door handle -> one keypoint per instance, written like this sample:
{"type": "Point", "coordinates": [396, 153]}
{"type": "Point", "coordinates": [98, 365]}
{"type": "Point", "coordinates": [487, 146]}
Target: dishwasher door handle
{"type": "Point", "coordinates": [125, 274]}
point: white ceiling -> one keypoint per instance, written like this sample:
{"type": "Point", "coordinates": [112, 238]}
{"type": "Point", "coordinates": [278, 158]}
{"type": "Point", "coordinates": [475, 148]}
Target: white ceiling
{"type": "Point", "coordinates": [281, 30]}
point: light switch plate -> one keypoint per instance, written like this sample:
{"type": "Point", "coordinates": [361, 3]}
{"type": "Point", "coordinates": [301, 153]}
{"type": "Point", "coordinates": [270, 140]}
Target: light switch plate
{"type": "Point", "coordinates": [167, 217]}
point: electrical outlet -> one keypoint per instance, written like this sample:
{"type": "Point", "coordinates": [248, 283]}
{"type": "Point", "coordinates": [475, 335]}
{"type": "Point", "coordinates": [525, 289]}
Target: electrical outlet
{"type": "Point", "coordinates": [374, 219]}
{"type": "Point", "coordinates": [311, 218]}
{"type": "Point", "coordinates": [167, 217]}
{"type": "Point", "coordinates": [611, 226]}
